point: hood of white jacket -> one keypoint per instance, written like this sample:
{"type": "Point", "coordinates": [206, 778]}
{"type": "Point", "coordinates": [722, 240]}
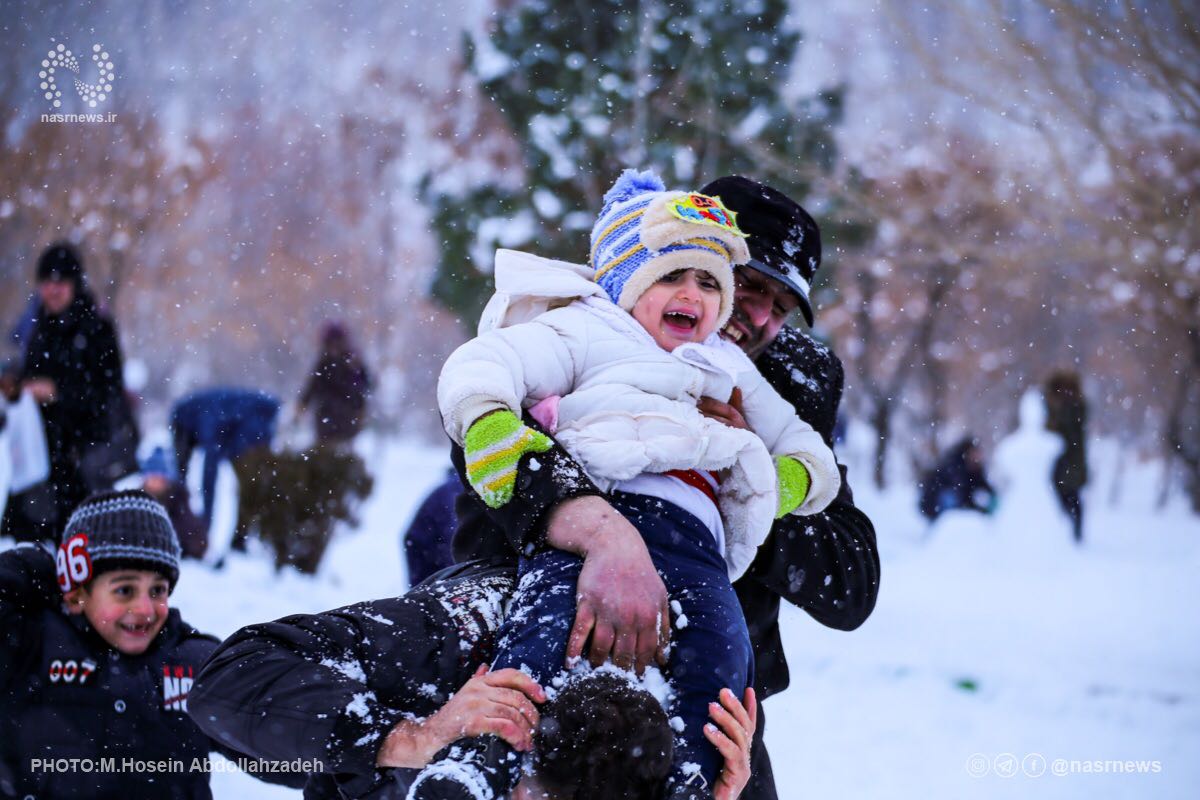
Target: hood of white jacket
{"type": "Point", "coordinates": [528, 286]}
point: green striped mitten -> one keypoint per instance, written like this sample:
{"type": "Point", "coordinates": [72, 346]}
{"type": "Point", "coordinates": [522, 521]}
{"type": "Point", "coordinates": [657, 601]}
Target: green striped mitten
{"type": "Point", "coordinates": [793, 483]}
{"type": "Point", "coordinates": [494, 445]}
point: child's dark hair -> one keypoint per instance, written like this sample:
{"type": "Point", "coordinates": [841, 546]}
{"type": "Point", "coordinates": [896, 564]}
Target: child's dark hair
{"type": "Point", "coordinates": [602, 738]}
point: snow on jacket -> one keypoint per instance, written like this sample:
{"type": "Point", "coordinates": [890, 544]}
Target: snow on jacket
{"type": "Point", "coordinates": [330, 687]}
{"type": "Point", "coordinates": [627, 406]}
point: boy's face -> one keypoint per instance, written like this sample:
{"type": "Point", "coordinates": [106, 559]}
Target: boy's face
{"type": "Point", "coordinates": [681, 307]}
{"type": "Point", "coordinates": [127, 607]}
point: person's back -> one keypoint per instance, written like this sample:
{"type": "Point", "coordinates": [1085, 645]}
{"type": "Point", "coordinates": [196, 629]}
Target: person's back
{"type": "Point", "coordinates": [225, 422]}
{"type": "Point", "coordinates": [224, 417]}
{"type": "Point", "coordinates": [337, 387]}
{"type": "Point", "coordinates": [1066, 415]}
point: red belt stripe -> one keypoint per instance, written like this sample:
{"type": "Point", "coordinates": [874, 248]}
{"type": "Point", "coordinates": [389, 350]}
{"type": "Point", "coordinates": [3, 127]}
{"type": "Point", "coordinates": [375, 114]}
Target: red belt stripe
{"type": "Point", "coordinates": [693, 478]}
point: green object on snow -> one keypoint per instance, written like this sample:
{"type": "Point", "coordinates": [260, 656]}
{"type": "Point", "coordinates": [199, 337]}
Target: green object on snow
{"type": "Point", "coordinates": [967, 684]}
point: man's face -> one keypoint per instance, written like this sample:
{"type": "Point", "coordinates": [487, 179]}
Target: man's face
{"type": "Point", "coordinates": [761, 306]}
{"type": "Point", "coordinates": [56, 295]}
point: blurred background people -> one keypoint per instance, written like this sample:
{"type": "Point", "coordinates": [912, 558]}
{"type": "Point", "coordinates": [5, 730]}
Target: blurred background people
{"type": "Point", "coordinates": [72, 367]}
{"type": "Point", "coordinates": [161, 481]}
{"type": "Point", "coordinates": [337, 387]}
{"type": "Point", "coordinates": [1066, 415]}
{"type": "Point", "coordinates": [957, 482]}
{"type": "Point", "coordinates": [224, 422]}
{"type": "Point", "coordinates": [426, 543]}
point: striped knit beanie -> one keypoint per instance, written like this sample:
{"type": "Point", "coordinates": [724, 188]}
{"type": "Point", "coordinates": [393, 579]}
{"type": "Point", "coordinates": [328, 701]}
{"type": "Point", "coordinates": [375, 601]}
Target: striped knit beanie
{"type": "Point", "coordinates": [117, 530]}
{"type": "Point", "coordinates": [645, 232]}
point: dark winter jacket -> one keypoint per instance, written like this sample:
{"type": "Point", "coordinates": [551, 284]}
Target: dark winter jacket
{"type": "Point", "coordinates": [224, 422]}
{"type": "Point", "coordinates": [25, 322]}
{"type": "Point", "coordinates": [955, 483]}
{"type": "Point", "coordinates": [827, 563]}
{"type": "Point", "coordinates": [337, 392]}
{"type": "Point", "coordinates": [426, 543]}
{"type": "Point", "coordinates": [65, 693]}
{"type": "Point", "coordinates": [330, 686]}
{"type": "Point", "coordinates": [78, 350]}
{"type": "Point", "coordinates": [1066, 415]}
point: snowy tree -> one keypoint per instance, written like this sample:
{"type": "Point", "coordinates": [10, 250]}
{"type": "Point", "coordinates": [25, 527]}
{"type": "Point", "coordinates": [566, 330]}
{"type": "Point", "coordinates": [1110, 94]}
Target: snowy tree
{"type": "Point", "coordinates": [948, 248]}
{"type": "Point", "coordinates": [694, 90]}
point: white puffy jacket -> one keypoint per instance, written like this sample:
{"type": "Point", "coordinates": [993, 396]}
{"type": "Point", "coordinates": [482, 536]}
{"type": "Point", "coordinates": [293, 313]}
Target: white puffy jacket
{"type": "Point", "coordinates": [627, 406]}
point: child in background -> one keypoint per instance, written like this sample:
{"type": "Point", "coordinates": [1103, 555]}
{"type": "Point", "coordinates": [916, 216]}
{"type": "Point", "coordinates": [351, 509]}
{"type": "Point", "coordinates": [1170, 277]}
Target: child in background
{"type": "Point", "coordinates": [95, 664]}
{"type": "Point", "coordinates": [161, 481]}
{"type": "Point", "coordinates": [613, 359]}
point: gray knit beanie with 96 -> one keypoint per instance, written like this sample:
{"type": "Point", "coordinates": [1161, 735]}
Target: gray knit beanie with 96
{"type": "Point", "coordinates": [117, 530]}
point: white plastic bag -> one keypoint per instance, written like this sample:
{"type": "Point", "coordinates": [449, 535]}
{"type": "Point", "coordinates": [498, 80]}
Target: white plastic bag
{"type": "Point", "coordinates": [5, 468]}
{"type": "Point", "coordinates": [26, 444]}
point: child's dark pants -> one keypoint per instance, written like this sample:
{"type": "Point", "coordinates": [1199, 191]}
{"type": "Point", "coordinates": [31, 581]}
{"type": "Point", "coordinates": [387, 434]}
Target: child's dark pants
{"type": "Point", "coordinates": [710, 645]}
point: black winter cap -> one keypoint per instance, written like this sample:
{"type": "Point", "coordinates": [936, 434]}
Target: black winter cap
{"type": "Point", "coordinates": [117, 530]}
{"type": "Point", "coordinates": [785, 242]}
{"type": "Point", "coordinates": [60, 261]}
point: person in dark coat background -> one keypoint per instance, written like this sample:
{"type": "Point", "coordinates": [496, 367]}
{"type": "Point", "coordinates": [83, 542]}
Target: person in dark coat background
{"type": "Point", "coordinates": [1066, 415]}
{"type": "Point", "coordinates": [160, 481]}
{"type": "Point", "coordinates": [826, 564]}
{"type": "Point", "coordinates": [426, 543]}
{"type": "Point", "coordinates": [22, 329]}
{"type": "Point", "coordinates": [224, 422]}
{"type": "Point", "coordinates": [958, 481]}
{"type": "Point", "coordinates": [337, 387]}
{"type": "Point", "coordinates": [72, 366]}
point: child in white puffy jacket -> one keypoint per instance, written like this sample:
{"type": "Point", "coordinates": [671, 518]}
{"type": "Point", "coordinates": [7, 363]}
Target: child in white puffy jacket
{"type": "Point", "coordinates": [613, 359]}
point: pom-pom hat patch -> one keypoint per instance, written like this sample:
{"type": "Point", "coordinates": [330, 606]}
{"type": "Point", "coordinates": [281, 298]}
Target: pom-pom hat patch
{"type": "Point", "coordinates": [705, 210]}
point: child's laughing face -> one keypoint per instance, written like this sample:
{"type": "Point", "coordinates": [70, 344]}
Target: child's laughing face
{"type": "Point", "coordinates": [681, 307]}
{"type": "Point", "coordinates": [127, 607]}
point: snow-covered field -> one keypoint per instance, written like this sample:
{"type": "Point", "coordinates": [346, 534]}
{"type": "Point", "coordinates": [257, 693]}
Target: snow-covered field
{"type": "Point", "coordinates": [996, 647]}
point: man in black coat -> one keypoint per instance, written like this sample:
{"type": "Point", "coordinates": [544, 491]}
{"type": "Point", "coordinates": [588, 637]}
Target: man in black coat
{"type": "Point", "coordinates": [73, 369]}
{"type": "Point", "coordinates": [827, 563]}
{"type": "Point", "coordinates": [330, 687]}
{"type": "Point", "coordinates": [372, 692]}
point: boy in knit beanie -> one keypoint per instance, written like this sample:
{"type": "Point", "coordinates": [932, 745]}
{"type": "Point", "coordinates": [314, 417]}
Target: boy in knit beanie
{"type": "Point", "coordinates": [612, 358]}
{"type": "Point", "coordinates": [116, 565]}
{"type": "Point", "coordinates": [95, 664]}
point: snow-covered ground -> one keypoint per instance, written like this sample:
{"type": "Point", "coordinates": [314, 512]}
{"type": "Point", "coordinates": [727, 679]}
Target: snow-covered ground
{"type": "Point", "coordinates": [996, 646]}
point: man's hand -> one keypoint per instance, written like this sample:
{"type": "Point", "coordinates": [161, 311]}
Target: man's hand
{"type": "Point", "coordinates": [731, 413]}
{"type": "Point", "coordinates": [737, 723]}
{"type": "Point", "coordinates": [42, 389]}
{"type": "Point", "coordinates": [621, 602]}
{"type": "Point", "coordinates": [499, 703]}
